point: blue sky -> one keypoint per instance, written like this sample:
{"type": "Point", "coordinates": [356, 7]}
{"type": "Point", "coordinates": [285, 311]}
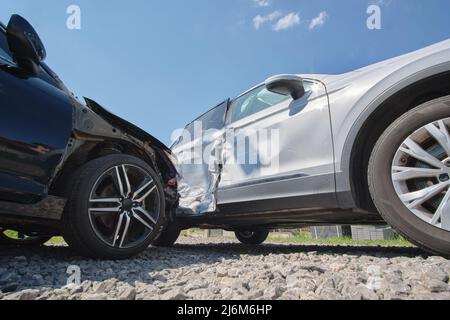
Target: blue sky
{"type": "Point", "coordinates": [161, 63]}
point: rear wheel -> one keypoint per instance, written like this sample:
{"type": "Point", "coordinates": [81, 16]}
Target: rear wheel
{"type": "Point", "coordinates": [252, 237]}
{"type": "Point", "coordinates": [14, 238]}
{"type": "Point", "coordinates": [409, 175]}
{"type": "Point", "coordinates": [116, 208]}
{"type": "Point", "coordinates": [168, 237]}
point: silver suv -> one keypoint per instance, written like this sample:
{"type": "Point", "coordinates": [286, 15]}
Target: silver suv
{"type": "Point", "coordinates": [364, 147]}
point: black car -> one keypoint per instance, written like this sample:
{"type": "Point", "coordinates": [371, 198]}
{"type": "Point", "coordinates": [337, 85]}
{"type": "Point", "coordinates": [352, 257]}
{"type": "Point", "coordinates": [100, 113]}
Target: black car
{"type": "Point", "coordinates": [72, 168]}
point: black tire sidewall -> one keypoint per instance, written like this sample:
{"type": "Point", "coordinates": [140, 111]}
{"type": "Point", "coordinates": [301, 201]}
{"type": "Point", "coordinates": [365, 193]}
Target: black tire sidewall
{"type": "Point", "coordinates": [258, 237]}
{"type": "Point", "coordinates": [77, 216]}
{"type": "Point", "coordinates": [392, 209]}
{"type": "Point", "coordinates": [168, 237]}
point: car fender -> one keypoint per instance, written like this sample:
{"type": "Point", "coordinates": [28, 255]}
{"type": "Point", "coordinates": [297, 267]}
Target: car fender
{"type": "Point", "coordinates": [94, 128]}
{"type": "Point", "coordinates": [352, 103]}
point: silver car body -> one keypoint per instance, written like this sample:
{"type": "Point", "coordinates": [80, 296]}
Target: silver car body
{"type": "Point", "coordinates": [317, 136]}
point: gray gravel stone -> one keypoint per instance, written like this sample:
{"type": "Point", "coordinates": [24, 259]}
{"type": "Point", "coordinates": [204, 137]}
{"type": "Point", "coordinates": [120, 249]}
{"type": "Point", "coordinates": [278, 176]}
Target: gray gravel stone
{"type": "Point", "coordinates": [174, 294]}
{"type": "Point", "coordinates": [222, 269]}
{"type": "Point", "coordinates": [28, 294]}
{"type": "Point", "coordinates": [94, 296]}
{"type": "Point", "coordinates": [273, 292]}
{"type": "Point", "coordinates": [10, 287]}
{"type": "Point", "coordinates": [127, 293]}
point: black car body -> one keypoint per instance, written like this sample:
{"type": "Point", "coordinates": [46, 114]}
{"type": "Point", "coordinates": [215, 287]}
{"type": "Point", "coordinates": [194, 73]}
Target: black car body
{"type": "Point", "coordinates": [46, 135]}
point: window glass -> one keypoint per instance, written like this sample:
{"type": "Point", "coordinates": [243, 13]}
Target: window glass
{"type": "Point", "coordinates": [253, 102]}
{"type": "Point", "coordinates": [213, 119]}
{"type": "Point", "coordinates": [256, 101]}
{"type": "Point", "coordinates": [4, 48]}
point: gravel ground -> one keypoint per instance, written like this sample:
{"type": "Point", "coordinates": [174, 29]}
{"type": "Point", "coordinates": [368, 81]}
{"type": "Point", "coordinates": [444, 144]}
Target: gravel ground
{"type": "Point", "coordinates": [222, 269]}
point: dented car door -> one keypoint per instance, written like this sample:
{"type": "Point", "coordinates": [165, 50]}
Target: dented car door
{"type": "Point", "coordinates": [278, 148]}
{"type": "Point", "coordinates": [199, 152]}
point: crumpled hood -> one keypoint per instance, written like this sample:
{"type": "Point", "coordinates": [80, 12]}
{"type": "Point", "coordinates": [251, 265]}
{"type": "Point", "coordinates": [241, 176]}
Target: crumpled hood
{"type": "Point", "coordinates": [124, 125]}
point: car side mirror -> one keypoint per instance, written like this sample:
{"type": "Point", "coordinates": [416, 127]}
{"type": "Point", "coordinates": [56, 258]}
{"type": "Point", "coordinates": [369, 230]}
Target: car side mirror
{"type": "Point", "coordinates": [25, 44]}
{"type": "Point", "coordinates": [286, 84]}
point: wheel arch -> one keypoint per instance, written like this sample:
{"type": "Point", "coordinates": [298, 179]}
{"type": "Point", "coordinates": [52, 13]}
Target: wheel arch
{"type": "Point", "coordinates": [86, 151]}
{"type": "Point", "coordinates": [379, 120]}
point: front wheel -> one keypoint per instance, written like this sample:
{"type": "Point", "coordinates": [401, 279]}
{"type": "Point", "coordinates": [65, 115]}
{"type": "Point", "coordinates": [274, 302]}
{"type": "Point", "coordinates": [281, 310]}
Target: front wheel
{"type": "Point", "coordinates": [116, 208]}
{"type": "Point", "coordinates": [252, 237]}
{"type": "Point", "coordinates": [409, 176]}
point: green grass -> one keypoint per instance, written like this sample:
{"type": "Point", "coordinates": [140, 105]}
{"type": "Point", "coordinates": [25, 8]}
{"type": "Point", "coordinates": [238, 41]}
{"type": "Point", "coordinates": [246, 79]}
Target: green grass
{"type": "Point", "coordinates": [304, 236]}
{"type": "Point", "coordinates": [301, 237]}
{"type": "Point", "coordinates": [11, 234]}
{"type": "Point", "coordinates": [307, 239]}
{"type": "Point", "coordinates": [54, 240]}
{"type": "Point", "coordinates": [57, 241]}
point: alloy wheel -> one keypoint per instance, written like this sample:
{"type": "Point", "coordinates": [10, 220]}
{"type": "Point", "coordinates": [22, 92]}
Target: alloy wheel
{"type": "Point", "coordinates": [421, 173]}
{"type": "Point", "coordinates": [124, 206]}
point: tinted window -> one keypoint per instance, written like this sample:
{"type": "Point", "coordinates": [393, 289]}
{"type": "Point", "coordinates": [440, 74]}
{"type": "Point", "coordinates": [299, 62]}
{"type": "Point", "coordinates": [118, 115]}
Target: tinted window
{"type": "Point", "coordinates": [255, 101]}
{"type": "Point", "coordinates": [4, 49]}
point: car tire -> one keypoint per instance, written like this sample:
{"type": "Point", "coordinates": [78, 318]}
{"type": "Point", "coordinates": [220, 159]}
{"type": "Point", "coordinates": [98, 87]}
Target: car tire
{"type": "Point", "coordinates": [381, 178]}
{"type": "Point", "coordinates": [33, 240]}
{"type": "Point", "coordinates": [168, 237]}
{"type": "Point", "coordinates": [252, 237]}
{"type": "Point", "coordinates": [116, 234]}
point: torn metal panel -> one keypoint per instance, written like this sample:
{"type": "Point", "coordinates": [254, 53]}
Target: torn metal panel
{"type": "Point", "coordinates": [197, 182]}
{"type": "Point", "coordinates": [127, 127]}
{"type": "Point", "coordinates": [199, 161]}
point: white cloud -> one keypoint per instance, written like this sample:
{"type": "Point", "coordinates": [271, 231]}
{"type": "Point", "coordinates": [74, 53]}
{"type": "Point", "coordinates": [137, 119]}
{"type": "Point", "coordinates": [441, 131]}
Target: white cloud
{"type": "Point", "coordinates": [384, 3]}
{"type": "Point", "coordinates": [287, 22]}
{"type": "Point", "coordinates": [318, 21]}
{"type": "Point", "coordinates": [259, 20]}
{"type": "Point", "coordinates": [262, 3]}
